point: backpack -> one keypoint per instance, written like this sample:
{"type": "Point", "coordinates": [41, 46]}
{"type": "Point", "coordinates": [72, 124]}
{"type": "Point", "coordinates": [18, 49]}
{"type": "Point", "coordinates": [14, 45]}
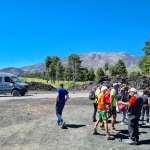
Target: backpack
{"type": "Point", "coordinates": [92, 94]}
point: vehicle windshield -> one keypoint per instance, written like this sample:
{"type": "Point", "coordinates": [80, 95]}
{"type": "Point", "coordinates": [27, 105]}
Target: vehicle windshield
{"type": "Point", "coordinates": [16, 79]}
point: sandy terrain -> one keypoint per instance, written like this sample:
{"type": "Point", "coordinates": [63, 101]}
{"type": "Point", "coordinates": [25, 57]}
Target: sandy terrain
{"type": "Point", "coordinates": [29, 123]}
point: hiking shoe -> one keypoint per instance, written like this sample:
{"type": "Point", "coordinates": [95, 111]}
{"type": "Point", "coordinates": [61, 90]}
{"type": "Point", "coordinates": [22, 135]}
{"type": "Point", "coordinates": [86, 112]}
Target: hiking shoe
{"type": "Point", "coordinates": [63, 125]}
{"type": "Point", "coordinates": [108, 136]}
{"type": "Point", "coordinates": [114, 130]}
{"type": "Point", "coordinates": [94, 120]}
{"type": "Point", "coordinates": [95, 132]}
{"type": "Point", "coordinates": [59, 123]}
{"type": "Point", "coordinates": [136, 141]}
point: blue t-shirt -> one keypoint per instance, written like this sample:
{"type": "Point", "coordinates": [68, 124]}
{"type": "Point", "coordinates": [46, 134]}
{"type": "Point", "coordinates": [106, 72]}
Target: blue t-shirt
{"type": "Point", "coordinates": [62, 93]}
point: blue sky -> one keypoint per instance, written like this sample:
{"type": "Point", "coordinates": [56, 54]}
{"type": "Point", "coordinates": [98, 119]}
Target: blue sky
{"type": "Point", "coordinates": [30, 30]}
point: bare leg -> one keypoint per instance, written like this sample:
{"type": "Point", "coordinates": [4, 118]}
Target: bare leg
{"type": "Point", "coordinates": [96, 123]}
{"type": "Point", "coordinates": [113, 121]}
{"type": "Point", "coordinates": [105, 125]}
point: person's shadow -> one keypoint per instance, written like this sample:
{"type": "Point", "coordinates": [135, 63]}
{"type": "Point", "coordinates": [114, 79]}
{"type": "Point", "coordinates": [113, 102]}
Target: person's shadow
{"type": "Point", "coordinates": [66, 126]}
{"type": "Point", "coordinates": [122, 134]}
{"type": "Point", "coordinates": [144, 142]}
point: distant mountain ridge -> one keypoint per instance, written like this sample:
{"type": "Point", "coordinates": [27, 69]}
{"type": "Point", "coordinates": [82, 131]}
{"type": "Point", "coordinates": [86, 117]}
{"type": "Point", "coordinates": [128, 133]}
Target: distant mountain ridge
{"type": "Point", "coordinates": [92, 59]}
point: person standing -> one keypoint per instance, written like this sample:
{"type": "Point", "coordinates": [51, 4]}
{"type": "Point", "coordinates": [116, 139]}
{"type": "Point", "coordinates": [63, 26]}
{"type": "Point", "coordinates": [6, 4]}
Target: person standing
{"type": "Point", "coordinates": [61, 98]}
{"type": "Point", "coordinates": [101, 111]}
{"type": "Point", "coordinates": [145, 108]}
{"type": "Point", "coordinates": [113, 101]}
{"type": "Point", "coordinates": [134, 111]}
{"type": "Point", "coordinates": [123, 97]}
{"type": "Point", "coordinates": [97, 92]}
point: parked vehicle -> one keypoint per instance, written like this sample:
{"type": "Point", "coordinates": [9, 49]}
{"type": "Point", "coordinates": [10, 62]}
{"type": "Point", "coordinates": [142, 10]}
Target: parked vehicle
{"type": "Point", "coordinates": [10, 83]}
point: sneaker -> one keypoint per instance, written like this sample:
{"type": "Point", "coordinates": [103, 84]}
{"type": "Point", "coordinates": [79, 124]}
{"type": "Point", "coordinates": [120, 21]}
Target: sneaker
{"type": "Point", "coordinates": [122, 122]}
{"type": "Point", "coordinates": [95, 132]}
{"type": "Point", "coordinates": [63, 125]}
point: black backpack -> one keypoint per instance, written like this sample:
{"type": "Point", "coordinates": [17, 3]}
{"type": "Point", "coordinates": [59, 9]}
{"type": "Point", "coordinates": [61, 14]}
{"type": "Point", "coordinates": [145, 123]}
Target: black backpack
{"type": "Point", "coordinates": [92, 94]}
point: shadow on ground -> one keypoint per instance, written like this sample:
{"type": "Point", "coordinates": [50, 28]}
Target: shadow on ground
{"type": "Point", "coordinates": [74, 126]}
{"type": "Point", "coordinates": [144, 142]}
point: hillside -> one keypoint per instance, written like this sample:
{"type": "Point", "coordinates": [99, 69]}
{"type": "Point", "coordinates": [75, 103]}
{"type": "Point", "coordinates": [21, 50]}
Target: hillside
{"type": "Point", "coordinates": [92, 59]}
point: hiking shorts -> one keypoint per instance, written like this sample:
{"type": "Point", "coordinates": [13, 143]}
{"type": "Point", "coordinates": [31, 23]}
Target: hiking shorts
{"type": "Point", "coordinates": [102, 114]}
{"type": "Point", "coordinates": [113, 112]}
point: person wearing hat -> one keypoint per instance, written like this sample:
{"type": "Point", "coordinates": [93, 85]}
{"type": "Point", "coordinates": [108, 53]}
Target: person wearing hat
{"type": "Point", "coordinates": [113, 101]}
{"type": "Point", "coordinates": [134, 111]}
{"type": "Point", "coordinates": [101, 111]}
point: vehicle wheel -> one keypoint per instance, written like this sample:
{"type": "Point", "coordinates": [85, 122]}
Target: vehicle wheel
{"type": "Point", "coordinates": [15, 93]}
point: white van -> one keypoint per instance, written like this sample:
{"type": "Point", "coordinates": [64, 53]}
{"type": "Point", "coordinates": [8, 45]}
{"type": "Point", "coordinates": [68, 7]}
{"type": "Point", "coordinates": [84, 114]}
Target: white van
{"type": "Point", "coordinates": [10, 83]}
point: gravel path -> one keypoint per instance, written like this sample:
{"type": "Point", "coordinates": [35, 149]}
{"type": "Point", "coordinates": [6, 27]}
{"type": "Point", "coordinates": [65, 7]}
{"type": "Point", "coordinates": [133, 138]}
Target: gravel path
{"type": "Point", "coordinates": [30, 124]}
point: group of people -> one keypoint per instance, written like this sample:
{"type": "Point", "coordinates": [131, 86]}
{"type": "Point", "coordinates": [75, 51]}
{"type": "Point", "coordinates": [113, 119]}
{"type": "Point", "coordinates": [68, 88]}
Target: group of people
{"type": "Point", "coordinates": [128, 101]}
{"type": "Point", "coordinates": [107, 98]}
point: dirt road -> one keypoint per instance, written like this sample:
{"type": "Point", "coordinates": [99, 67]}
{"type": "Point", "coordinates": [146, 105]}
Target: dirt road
{"type": "Point", "coordinates": [29, 123]}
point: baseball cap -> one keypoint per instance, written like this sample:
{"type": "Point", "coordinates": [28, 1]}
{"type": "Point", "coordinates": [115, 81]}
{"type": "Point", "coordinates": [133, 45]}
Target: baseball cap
{"type": "Point", "coordinates": [115, 84]}
{"type": "Point", "coordinates": [133, 90]}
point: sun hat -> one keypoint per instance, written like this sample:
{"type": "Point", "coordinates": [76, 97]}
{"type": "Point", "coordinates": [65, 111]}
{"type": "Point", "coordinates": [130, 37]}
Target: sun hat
{"type": "Point", "coordinates": [133, 90]}
{"type": "Point", "coordinates": [103, 88]}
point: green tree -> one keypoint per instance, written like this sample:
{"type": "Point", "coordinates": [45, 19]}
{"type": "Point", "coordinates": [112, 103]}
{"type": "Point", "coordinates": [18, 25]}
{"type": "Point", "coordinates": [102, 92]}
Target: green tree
{"type": "Point", "coordinates": [68, 74]}
{"type": "Point", "coordinates": [48, 62]}
{"type": "Point", "coordinates": [118, 69]}
{"type": "Point", "coordinates": [99, 73]}
{"type": "Point", "coordinates": [144, 63]}
{"type": "Point", "coordinates": [106, 67]}
{"type": "Point", "coordinates": [59, 71]}
{"type": "Point", "coordinates": [52, 68]}
{"type": "Point", "coordinates": [146, 48]}
{"type": "Point", "coordinates": [52, 73]}
{"type": "Point", "coordinates": [73, 67]}
{"type": "Point", "coordinates": [84, 74]}
{"type": "Point", "coordinates": [113, 70]}
{"type": "Point", "coordinates": [121, 68]}
{"type": "Point", "coordinates": [91, 75]}
{"type": "Point", "coordinates": [135, 73]}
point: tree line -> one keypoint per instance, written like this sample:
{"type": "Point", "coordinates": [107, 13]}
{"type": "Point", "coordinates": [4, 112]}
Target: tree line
{"type": "Point", "coordinates": [74, 71]}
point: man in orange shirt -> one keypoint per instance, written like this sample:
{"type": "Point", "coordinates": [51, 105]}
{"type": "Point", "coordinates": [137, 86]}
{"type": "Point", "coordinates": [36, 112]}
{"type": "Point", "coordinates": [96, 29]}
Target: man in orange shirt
{"type": "Point", "coordinates": [135, 105]}
{"type": "Point", "coordinates": [101, 111]}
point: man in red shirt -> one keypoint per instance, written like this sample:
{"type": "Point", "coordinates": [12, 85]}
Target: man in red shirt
{"type": "Point", "coordinates": [135, 105]}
